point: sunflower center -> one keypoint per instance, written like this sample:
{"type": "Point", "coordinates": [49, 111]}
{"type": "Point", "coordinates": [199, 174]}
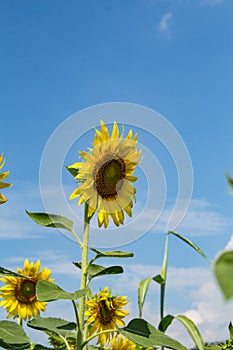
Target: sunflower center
{"type": "Point", "coordinates": [26, 291]}
{"type": "Point", "coordinates": [105, 312]}
{"type": "Point", "coordinates": [108, 177]}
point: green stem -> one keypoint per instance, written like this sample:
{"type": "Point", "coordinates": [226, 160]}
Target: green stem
{"type": "Point", "coordinates": [65, 341]}
{"type": "Point", "coordinates": [77, 237]}
{"type": "Point", "coordinates": [83, 283]}
{"type": "Point", "coordinates": [164, 276]}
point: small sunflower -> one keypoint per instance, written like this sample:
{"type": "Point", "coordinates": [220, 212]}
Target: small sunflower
{"type": "Point", "coordinates": [19, 294]}
{"type": "Point", "coordinates": [121, 343]}
{"type": "Point", "coordinates": [105, 312]}
{"type": "Point", "coordinates": [2, 177]}
{"type": "Point", "coordinates": [106, 175]}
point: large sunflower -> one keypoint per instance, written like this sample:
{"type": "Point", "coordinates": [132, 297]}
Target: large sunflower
{"type": "Point", "coordinates": [106, 175]}
{"type": "Point", "coordinates": [105, 313]}
{"type": "Point", "coordinates": [121, 343]}
{"type": "Point", "coordinates": [2, 177]}
{"type": "Point", "coordinates": [19, 294]}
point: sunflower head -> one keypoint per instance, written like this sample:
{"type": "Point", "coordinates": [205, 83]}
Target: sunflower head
{"type": "Point", "coordinates": [121, 343]}
{"type": "Point", "coordinates": [19, 294]}
{"type": "Point", "coordinates": [105, 313]}
{"type": "Point", "coordinates": [2, 177]}
{"type": "Point", "coordinates": [106, 174]}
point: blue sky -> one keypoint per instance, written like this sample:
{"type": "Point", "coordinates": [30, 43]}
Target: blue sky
{"type": "Point", "coordinates": [174, 57]}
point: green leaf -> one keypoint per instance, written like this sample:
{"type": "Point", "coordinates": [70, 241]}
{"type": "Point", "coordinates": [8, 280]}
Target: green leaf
{"type": "Point", "coordinates": [47, 291]}
{"type": "Point", "coordinates": [144, 334]}
{"type": "Point", "coordinates": [230, 327]}
{"type": "Point", "coordinates": [5, 272]}
{"type": "Point", "coordinates": [98, 270]}
{"type": "Point", "coordinates": [159, 279]}
{"type": "Point", "coordinates": [142, 292]}
{"type": "Point", "coordinates": [52, 220]}
{"type": "Point", "coordinates": [56, 325]}
{"type": "Point", "coordinates": [12, 336]}
{"type": "Point", "coordinates": [165, 322]}
{"type": "Point", "coordinates": [230, 180]}
{"type": "Point", "coordinates": [190, 243]}
{"type": "Point", "coordinates": [223, 269]}
{"type": "Point", "coordinates": [192, 330]}
{"type": "Point", "coordinates": [73, 171]}
{"type": "Point", "coordinates": [113, 254]}
{"type": "Point", "coordinates": [213, 347]}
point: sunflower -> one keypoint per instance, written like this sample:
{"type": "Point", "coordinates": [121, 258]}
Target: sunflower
{"type": "Point", "coordinates": [105, 312]}
{"type": "Point", "coordinates": [2, 177]}
{"type": "Point", "coordinates": [121, 343]}
{"type": "Point", "coordinates": [106, 175]}
{"type": "Point", "coordinates": [19, 294]}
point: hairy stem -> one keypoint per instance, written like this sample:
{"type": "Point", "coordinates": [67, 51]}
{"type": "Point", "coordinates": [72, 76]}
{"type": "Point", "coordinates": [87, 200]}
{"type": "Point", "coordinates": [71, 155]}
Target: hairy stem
{"type": "Point", "coordinates": [80, 337]}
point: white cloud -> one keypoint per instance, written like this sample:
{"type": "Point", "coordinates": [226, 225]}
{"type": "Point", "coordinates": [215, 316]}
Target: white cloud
{"type": "Point", "coordinates": [164, 22]}
{"type": "Point", "coordinates": [202, 218]}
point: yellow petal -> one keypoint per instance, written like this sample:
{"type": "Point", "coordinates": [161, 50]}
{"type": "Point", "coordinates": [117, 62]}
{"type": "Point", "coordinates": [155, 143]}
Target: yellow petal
{"type": "Point", "coordinates": [115, 131]}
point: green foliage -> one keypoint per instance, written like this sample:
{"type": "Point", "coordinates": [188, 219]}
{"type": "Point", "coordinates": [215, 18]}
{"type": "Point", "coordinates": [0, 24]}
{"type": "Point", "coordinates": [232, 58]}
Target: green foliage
{"type": "Point", "coordinates": [142, 292]}
{"type": "Point", "coordinates": [190, 243]}
{"type": "Point", "coordinates": [113, 254]}
{"type": "Point", "coordinates": [5, 272]}
{"type": "Point", "coordinates": [223, 269]}
{"type": "Point", "coordinates": [73, 171]}
{"type": "Point", "coordinates": [165, 322]}
{"type": "Point", "coordinates": [58, 326]}
{"type": "Point", "coordinates": [52, 220]}
{"type": "Point", "coordinates": [192, 330]}
{"type": "Point", "coordinates": [230, 180]}
{"type": "Point", "coordinates": [12, 336]}
{"type": "Point", "coordinates": [144, 334]}
{"type": "Point", "coordinates": [47, 291]}
{"type": "Point", "coordinates": [98, 270]}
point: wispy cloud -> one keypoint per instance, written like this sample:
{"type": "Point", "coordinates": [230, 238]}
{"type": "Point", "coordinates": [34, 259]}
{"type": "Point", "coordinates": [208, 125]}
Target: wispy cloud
{"type": "Point", "coordinates": [202, 218]}
{"type": "Point", "coordinates": [164, 22]}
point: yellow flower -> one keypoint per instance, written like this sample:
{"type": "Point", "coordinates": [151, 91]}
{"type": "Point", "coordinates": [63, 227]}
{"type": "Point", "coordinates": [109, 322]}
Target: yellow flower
{"type": "Point", "coordinates": [120, 343]}
{"type": "Point", "coordinates": [106, 175]}
{"type": "Point", "coordinates": [19, 294]}
{"type": "Point", "coordinates": [105, 313]}
{"type": "Point", "coordinates": [2, 177]}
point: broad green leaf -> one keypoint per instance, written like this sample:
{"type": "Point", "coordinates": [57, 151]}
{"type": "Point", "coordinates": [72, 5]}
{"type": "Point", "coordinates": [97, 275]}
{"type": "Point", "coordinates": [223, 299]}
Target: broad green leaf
{"type": "Point", "coordinates": [192, 330]}
{"type": "Point", "coordinates": [165, 323]}
{"type": "Point", "coordinates": [92, 347]}
{"type": "Point", "coordinates": [159, 279]}
{"type": "Point", "coordinates": [113, 254]}
{"type": "Point", "coordinates": [52, 220]}
{"type": "Point", "coordinates": [73, 171]}
{"type": "Point", "coordinates": [56, 325]}
{"type": "Point", "coordinates": [12, 336]}
{"type": "Point", "coordinates": [5, 272]}
{"type": "Point", "coordinates": [144, 334]}
{"type": "Point", "coordinates": [142, 292]}
{"type": "Point", "coordinates": [213, 347]}
{"type": "Point", "coordinates": [98, 270]}
{"type": "Point", "coordinates": [230, 327]}
{"type": "Point", "coordinates": [47, 291]}
{"type": "Point", "coordinates": [190, 243]}
{"type": "Point", "coordinates": [223, 269]}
